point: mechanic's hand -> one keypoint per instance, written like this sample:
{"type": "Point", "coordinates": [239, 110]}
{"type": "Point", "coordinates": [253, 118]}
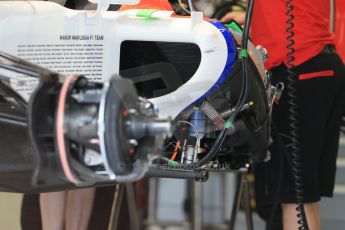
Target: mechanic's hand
{"type": "Point", "coordinates": [238, 16]}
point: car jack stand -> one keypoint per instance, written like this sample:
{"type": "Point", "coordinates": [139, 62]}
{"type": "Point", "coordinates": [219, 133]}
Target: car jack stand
{"type": "Point", "coordinates": [242, 189]}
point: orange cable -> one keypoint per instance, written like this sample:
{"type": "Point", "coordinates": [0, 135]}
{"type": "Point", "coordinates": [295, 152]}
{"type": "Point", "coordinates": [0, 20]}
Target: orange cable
{"type": "Point", "coordinates": [175, 151]}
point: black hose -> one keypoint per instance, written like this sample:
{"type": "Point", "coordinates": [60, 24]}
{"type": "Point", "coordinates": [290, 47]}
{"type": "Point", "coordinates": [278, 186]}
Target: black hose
{"type": "Point", "coordinates": [296, 168]}
{"type": "Point", "coordinates": [199, 175]}
{"type": "Point", "coordinates": [244, 45]}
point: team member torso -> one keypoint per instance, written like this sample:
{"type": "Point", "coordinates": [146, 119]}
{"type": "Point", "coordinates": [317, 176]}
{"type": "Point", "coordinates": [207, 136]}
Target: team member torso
{"type": "Point", "coordinates": [311, 28]}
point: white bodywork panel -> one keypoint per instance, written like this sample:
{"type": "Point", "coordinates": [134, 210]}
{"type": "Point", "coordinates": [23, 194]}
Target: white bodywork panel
{"type": "Point", "coordinates": [70, 41]}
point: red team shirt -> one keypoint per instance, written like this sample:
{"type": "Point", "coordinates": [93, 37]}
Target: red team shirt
{"type": "Point", "coordinates": [312, 29]}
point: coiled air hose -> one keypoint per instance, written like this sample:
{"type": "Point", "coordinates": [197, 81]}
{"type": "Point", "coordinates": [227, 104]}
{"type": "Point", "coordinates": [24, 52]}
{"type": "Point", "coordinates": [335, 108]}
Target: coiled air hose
{"type": "Point", "coordinates": [294, 150]}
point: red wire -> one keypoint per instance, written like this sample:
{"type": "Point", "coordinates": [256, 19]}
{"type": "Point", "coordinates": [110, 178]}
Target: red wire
{"type": "Point", "coordinates": [175, 151]}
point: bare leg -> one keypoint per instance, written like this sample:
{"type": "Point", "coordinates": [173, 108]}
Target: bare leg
{"type": "Point", "coordinates": [53, 210]}
{"type": "Point", "coordinates": [290, 216]}
{"type": "Point", "coordinates": [79, 207]}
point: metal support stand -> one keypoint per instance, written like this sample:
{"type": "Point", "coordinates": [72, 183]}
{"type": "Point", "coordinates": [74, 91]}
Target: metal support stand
{"type": "Point", "coordinates": [119, 197]}
{"type": "Point", "coordinates": [196, 192]}
{"type": "Point", "coordinates": [196, 214]}
{"type": "Point", "coordinates": [132, 207]}
{"type": "Point", "coordinates": [115, 211]}
{"type": "Point", "coordinates": [242, 189]}
{"type": "Point", "coordinates": [152, 202]}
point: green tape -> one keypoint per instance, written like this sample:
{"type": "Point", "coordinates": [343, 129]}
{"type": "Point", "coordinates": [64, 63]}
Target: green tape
{"type": "Point", "coordinates": [146, 13]}
{"type": "Point", "coordinates": [172, 163]}
{"type": "Point", "coordinates": [228, 125]}
{"type": "Point", "coordinates": [234, 26]}
{"type": "Point", "coordinates": [244, 53]}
